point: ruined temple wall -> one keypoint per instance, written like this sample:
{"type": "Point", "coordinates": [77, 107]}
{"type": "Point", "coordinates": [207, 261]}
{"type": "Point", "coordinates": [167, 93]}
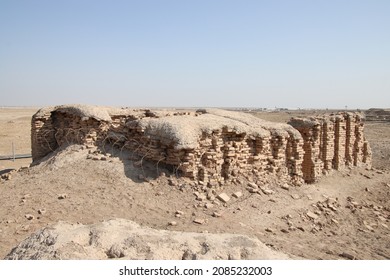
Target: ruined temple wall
{"type": "Point", "coordinates": [219, 155]}
{"type": "Point", "coordinates": [332, 142]}
{"type": "Point", "coordinates": [42, 135]}
{"type": "Point", "coordinates": [328, 143]}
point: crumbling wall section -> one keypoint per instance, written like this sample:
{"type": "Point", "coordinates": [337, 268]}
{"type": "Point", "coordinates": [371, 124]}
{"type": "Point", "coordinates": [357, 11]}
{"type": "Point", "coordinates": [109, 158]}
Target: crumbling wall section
{"type": "Point", "coordinates": [332, 142]}
{"type": "Point", "coordinates": [210, 146]}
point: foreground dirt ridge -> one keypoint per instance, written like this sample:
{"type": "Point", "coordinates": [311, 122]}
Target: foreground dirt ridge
{"type": "Point", "coordinates": [125, 239]}
{"type": "Point", "coordinates": [210, 146]}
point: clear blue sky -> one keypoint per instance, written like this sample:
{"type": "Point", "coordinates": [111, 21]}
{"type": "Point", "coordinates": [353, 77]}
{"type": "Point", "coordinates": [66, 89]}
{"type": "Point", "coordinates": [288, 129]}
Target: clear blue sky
{"type": "Point", "coordinates": [196, 53]}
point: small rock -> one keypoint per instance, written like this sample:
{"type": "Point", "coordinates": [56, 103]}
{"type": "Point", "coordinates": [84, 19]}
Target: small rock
{"type": "Point", "coordinates": [267, 191]}
{"type": "Point", "coordinates": [29, 217]}
{"type": "Point", "coordinates": [347, 256]}
{"type": "Point", "coordinates": [178, 212]}
{"type": "Point", "coordinates": [370, 228]}
{"type": "Point", "coordinates": [301, 229]}
{"type": "Point", "coordinates": [286, 187]}
{"type": "Point", "coordinates": [284, 230]}
{"type": "Point", "coordinates": [237, 194]}
{"type": "Point", "coordinates": [41, 211]}
{"type": "Point", "coordinates": [208, 206]}
{"type": "Point", "coordinates": [172, 223]}
{"type": "Point", "coordinates": [312, 215]}
{"type": "Point", "coordinates": [295, 196]}
{"type": "Point", "coordinates": [62, 196]}
{"type": "Point", "coordinates": [253, 185]}
{"type": "Point", "coordinates": [172, 182]}
{"type": "Point", "coordinates": [199, 221]}
{"type": "Point", "coordinates": [201, 197]}
{"type": "Point", "coordinates": [217, 214]}
{"type": "Point", "coordinates": [269, 230]}
{"type": "Point", "coordinates": [223, 197]}
{"type": "Point", "coordinates": [335, 221]}
{"type": "Point", "coordinates": [253, 190]}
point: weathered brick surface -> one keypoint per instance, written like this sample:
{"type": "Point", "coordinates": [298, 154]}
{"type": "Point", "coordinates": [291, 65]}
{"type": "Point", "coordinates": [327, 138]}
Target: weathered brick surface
{"type": "Point", "coordinates": [332, 142]}
{"type": "Point", "coordinates": [212, 146]}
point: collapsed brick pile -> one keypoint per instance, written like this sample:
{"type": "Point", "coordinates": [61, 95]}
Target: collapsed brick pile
{"type": "Point", "coordinates": [212, 146]}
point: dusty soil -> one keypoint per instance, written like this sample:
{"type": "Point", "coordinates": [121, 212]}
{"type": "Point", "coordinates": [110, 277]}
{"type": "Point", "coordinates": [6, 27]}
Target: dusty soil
{"type": "Point", "coordinates": [344, 215]}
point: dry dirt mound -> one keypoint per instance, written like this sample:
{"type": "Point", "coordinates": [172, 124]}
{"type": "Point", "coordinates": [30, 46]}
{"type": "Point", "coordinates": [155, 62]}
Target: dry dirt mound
{"type": "Point", "coordinates": [125, 239]}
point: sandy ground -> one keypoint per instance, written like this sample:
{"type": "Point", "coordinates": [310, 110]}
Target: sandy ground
{"type": "Point", "coordinates": [15, 127]}
{"type": "Point", "coordinates": [343, 216]}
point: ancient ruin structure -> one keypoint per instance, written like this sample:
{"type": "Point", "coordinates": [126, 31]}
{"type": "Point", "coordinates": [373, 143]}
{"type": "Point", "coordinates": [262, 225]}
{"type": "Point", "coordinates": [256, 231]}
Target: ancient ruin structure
{"type": "Point", "coordinates": [332, 142]}
{"type": "Point", "coordinates": [212, 146]}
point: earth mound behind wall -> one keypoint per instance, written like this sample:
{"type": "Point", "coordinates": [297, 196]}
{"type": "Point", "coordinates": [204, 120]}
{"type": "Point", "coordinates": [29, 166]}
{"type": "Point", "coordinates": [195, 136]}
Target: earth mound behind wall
{"type": "Point", "coordinates": [127, 240]}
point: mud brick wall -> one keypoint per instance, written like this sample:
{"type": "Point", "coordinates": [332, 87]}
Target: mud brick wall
{"type": "Point", "coordinates": [222, 150]}
{"type": "Point", "coordinates": [43, 139]}
{"type": "Point", "coordinates": [332, 142]}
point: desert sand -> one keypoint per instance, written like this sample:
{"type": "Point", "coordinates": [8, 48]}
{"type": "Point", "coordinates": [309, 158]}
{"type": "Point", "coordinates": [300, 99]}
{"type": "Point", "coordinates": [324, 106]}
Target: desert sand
{"type": "Point", "coordinates": [345, 215]}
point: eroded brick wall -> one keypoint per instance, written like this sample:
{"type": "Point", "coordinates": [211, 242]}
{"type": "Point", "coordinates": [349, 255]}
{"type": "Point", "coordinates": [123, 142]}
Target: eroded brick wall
{"type": "Point", "coordinates": [332, 142]}
{"type": "Point", "coordinates": [221, 155]}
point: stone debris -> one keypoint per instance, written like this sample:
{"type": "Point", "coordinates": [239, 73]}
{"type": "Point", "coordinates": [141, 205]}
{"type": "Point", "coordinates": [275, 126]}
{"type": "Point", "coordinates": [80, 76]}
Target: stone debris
{"type": "Point", "coordinates": [347, 256]}
{"type": "Point", "coordinates": [217, 214]}
{"type": "Point", "coordinates": [253, 185]}
{"type": "Point", "coordinates": [29, 217]}
{"type": "Point", "coordinates": [62, 196]}
{"type": "Point", "coordinates": [41, 211]}
{"type": "Point", "coordinates": [199, 221]}
{"type": "Point", "coordinates": [285, 187]}
{"type": "Point", "coordinates": [223, 197]}
{"type": "Point", "coordinates": [172, 182]}
{"type": "Point", "coordinates": [295, 196]}
{"type": "Point", "coordinates": [208, 206]}
{"type": "Point", "coordinates": [312, 215]}
{"type": "Point", "coordinates": [267, 191]}
{"type": "Point", "coordinates": [172, 223]}
{"type": "Point", "coordinates": [200, 196]}
{"type": "Point", "coordinates": [269, 230]}
{"type": "Point", "coordinates": [237, 194]}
